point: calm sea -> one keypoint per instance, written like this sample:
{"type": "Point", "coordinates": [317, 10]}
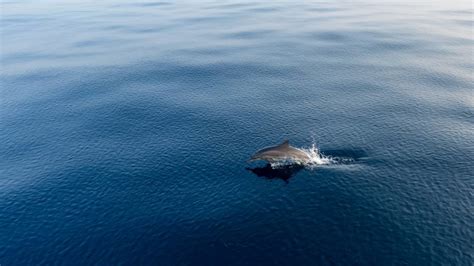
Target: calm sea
{"type": "Point", "coordinates": [125, 127]}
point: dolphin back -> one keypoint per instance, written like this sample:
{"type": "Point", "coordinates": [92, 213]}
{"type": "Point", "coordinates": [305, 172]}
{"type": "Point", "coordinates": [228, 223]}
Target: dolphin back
{"type": "Point", "coordinates": [282, 151]}
{"type": "Point", "coordinates": [284, 145]}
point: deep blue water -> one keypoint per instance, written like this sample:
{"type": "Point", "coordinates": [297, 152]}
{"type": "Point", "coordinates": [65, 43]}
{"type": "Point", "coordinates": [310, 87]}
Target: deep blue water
{"type": "Point", "coordinates": [126, 126]}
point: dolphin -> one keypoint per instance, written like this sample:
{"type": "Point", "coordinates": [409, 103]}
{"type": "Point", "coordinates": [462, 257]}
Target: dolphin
{"type": "Point", "coordinates": [282, 152]}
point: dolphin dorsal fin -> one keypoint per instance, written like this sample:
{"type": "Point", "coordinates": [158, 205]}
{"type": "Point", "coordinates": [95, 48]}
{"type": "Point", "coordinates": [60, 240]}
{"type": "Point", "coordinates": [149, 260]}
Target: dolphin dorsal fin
{"type": "Point", "coordinates": [286, 143]}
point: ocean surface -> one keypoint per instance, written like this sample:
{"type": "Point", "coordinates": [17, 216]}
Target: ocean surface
{"type": "Point", "coordinates": [126, 126]}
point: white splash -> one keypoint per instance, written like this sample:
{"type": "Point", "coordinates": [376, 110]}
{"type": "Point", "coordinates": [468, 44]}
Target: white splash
{"type": "Point", "coordinates": [316, 158]}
